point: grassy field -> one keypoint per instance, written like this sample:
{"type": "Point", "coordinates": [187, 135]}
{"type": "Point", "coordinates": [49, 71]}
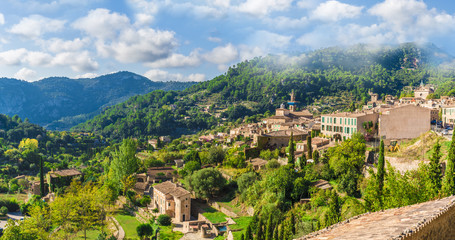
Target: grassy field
{"type": "Point", "coordinates": [20, 197]}
{"type": "Point", "coordinates": [129, 224]}
{"type": "Point", "coordinates": [241, 223]}
{"type": "Point", "coordinates": [91, 235]}
{"type": "Point", "coordinates": [167, 233]}
{"type": "Point", "coordinates": [214, 215]}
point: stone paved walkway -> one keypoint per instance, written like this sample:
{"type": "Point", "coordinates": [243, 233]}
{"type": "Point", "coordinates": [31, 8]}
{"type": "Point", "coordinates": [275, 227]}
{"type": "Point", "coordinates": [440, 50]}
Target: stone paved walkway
{"type": "Point", "coordinates": [386, 224]}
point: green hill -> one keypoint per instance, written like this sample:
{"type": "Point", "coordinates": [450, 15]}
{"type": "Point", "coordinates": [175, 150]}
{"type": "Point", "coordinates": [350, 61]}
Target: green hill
{"type": "Point", "coordinates": [262, 84]}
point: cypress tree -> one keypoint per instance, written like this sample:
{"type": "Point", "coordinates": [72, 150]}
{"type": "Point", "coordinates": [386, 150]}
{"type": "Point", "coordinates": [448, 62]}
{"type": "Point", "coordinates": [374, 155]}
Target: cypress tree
{"type": "Point", "coordinates": [291, 157]}
{"type": "Point", "coordinates": [448, 183]}
{"type": "Point", "coordinates": [381, 171]}
{"type": "Point", "coordinates": [275, 233]}
{"type": "Point", "coordinates": [316, 156]}
{"type": "Point", "coordinates": [259, 231]}
{"type": "Point", "coordinates": [41, 177]}
{"type": "Point", "coordinates": [435, 167]}
{"type": "Point", "coordinates": [309, 146]}
{"type": "Point", "coordinates": [248, 234]}
{"type": "Point", "coordinates": [242, 237]}
{"type": "Point", "coordinates": [292, 223]}
{"type": "Point", "coordinates": [269, 230]}
{"type": "Point", "coordinates": [302, 161]}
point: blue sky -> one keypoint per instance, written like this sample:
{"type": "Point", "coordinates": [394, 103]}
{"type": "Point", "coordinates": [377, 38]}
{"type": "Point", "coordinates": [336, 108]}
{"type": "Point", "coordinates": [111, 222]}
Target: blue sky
{"type": "Point", "coordinates": [197, 40]}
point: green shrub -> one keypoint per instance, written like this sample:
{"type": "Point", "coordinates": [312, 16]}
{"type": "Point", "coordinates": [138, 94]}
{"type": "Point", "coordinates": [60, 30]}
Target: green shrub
{"type": "Point", "coordinates": [164, 220]}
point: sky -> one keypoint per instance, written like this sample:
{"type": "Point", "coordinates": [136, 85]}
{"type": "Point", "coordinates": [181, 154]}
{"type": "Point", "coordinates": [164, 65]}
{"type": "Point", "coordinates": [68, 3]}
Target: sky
{"type": "Point", "coordinates": [182, 40]}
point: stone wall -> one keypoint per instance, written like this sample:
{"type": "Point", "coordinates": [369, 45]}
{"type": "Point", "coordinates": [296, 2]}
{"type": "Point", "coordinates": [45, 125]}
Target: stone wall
{"type": "Point", "coordinates": [439, 227]}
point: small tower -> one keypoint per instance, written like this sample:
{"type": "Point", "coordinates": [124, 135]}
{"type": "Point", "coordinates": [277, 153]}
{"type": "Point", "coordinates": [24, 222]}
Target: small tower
{"type": "Point", "coordinates": [293, 102]}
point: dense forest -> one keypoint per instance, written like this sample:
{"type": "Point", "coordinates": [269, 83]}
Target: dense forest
{"type": "Point", "coordinates": [262, 84]}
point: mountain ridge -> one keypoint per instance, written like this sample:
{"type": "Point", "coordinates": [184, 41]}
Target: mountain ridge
{"type": "Point", "coordinates": [49, 100]}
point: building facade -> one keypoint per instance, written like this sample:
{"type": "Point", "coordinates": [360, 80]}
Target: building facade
{"type": "Point", "coordinates": [346, 124]}
{"type": "Point", "coordinates": [404, 122]}
{"type": "Point", "coordinates": [448, 115]}
{"type": "Point", "coordinates": [172, 200]}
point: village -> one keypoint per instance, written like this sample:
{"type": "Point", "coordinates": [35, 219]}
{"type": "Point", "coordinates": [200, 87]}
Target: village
{"type": "Point", "coordinates": [390, 119]}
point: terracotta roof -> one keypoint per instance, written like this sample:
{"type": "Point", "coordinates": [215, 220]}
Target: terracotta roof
{"type": "Point", "coordinates": [285, 133]}
{"type": "Point", "coordinates": [141, 186]}
{"type": "Point", "coordinates": [153, 172]}
{"type": "Point", "coordinates": [279, 117]}
{"type": "Point", "coordinates": [65, 173]}
{"type": "Point", "coordinates": [171, 188]}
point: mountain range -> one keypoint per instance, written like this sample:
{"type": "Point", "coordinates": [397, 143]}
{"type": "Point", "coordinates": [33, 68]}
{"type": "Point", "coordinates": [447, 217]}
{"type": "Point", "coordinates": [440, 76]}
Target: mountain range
{"type": "Point", "coordinates": [59, 103]}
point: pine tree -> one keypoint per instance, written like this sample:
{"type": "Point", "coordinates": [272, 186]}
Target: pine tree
{"type": "Point", "coordinates": [381, 171]}
{"type": "Point", "coordinates": [269, 230]}
{"type": "Point", "coordinates": [435, 167]}
{"type": "Point", "coordinates": [448, 182]}
{"type": "Point", "coordinates": [41, 177]}
{"type": "Point", "coordinates": [309, 146]}
{"type": "Point", "coordinates": [291, 157]}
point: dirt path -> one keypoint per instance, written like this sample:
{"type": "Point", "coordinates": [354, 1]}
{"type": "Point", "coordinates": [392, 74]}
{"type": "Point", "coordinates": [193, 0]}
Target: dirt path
{"type": "Point", "coordinates": [403, 165]}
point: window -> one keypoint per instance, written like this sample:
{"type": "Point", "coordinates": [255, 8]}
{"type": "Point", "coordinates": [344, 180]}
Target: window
{"type": "Point", "coordinates": [335, 120]}
{"type": "Point", "coordinates": [323, 118]}
{"type": "Point", "coordinates": [355, 121]}
{"type": "Point", "coordinates": [322, 127]}
{"type": "Point", "coordinates": [186, 206]}
{"type": "Point", "coordinates": [345, 121]}
{"type": "Point", "coordinates": [347, 130]}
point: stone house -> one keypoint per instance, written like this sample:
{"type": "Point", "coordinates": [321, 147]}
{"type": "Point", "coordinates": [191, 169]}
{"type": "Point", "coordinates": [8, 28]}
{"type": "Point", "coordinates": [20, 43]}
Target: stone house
{"type": "Point", "coordinates": [279, 138]}
{"type": "Point", "coordinates": [257, 163]}
{"type": "Point", "coordinates": [62, 178]}
{"type": "Point", "coordinates": [172, 200]}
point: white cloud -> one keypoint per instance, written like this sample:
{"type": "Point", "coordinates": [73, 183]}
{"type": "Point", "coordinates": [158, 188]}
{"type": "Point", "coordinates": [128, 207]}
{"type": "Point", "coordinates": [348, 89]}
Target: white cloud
{"type": "Point", "coordinates": [333, 11]}
{"type": "Point", "coordinates": [264, 7]}
{"type": "Point", "coordinates": [119, 39]}
{"type": "Point", "coordinates": [57, 45]}
{"type": "Point", "coordinates": [102, 24]}
{"type": "Point", "coordinates": [411, 20]}
{"type": "Point", "coordinates": [145, 11]}
{"type": "Point", "coordinates": [178, 60]}
{"type": "Point", "coordinates": [13, 57]}
{"type": "Point", "coordinates": [78, 61]}
{"type": "Point", "coordinates": [214, 39]}
{"type": "Point", "coordinates": [220, 3]}
{"type": "Point", "coordinates": [308, 4]}
{"type": "Point", "coordinates": [36, 25]}
{"type": "Point", "coordinates": [270, 42]}
{"type": "Point", "coordinates": [2, 19]}
{"type": "Point", "coordinates": [222, 54]}
{"type": "Point", "coordinates": [144, 45]}
{"type": "Point", "coordinates": [282, 22]}
{"type": "Point", "coordinates": [87, 75]}
{"type": "Point", "coordinates": [26, 74]}
{"type": "Point", "coordinates": [37, 58]}
{"type": "Point", "coordinates": [250, 52]}
{"type": "Point", "coordinates": [163, 76]}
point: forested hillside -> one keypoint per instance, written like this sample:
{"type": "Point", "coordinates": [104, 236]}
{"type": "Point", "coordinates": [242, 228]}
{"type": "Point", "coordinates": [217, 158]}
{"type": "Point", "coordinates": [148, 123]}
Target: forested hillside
{"type": "Point", "coordinates": [262, 84]}
{"type": "Point", "coordinates": [60, 102]}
